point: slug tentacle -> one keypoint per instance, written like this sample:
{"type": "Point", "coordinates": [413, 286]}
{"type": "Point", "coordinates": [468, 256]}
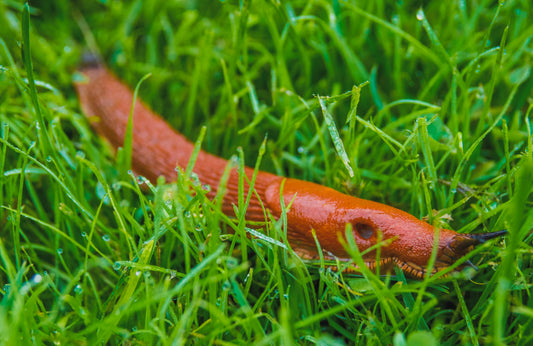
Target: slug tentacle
{"type": "Point", "coordinates": [158, 149]}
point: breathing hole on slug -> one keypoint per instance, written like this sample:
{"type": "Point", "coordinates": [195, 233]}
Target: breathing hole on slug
{"type": "Point", "coordinates": [364, 230]}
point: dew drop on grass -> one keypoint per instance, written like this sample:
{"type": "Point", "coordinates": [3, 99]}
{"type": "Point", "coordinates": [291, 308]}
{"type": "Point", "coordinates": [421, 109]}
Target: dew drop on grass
{"type": "Point", "coordinates": [301, 150]}
{"type": "Point", "coordinates": [78, 289]}
{"type": "Point", "coordinates": [420, 14]}
{"type": "Point", "coordinates": [134, 329]}
{"type": "Point", "coordinates": [231, 263]}
{"type": "Point", "coordinates": [187, 214]}
{"type": "Point", "coordinates": [106, 237]}
{"type": "Point", "coordinates": [138, 273]}
{"type": "Point", "coordinates": [234, 160]}
{"type": "Point", "coordinates": [202, 247]}
{"type": "Point", "coordinates": [37, 278]}
{"type": "Point", "coordinates": [59, 251]}
{"type": "Point", "coordinates": [206, 187]}
{"type": "Point", "coordinates": [453, 191]}
{"type": "Point", "coordinates": [480, 93]}
{"type": "Point", "coordinates": [195, 179]}
{"type": "Point", "coordinates": [84, 235]}
{"type": "Point", "coordinates": [116, 266]}
{"type": "Point", "coordinates": [226, 286]}
{"type": "Point", "coordinates": [24, 289]}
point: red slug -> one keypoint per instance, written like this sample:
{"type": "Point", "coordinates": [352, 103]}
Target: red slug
{"type": "Point", "coordinates": [158, 149]}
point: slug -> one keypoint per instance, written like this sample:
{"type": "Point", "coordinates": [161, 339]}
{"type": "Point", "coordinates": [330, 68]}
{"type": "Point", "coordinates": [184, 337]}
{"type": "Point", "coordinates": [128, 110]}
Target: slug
{"type": "Point", "coordinates": [158, 149]}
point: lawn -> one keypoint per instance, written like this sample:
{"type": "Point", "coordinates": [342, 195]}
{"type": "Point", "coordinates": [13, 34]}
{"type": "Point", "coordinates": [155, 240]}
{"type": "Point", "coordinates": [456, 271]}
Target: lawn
{"type": "Point", "coordinates": [432, 104]}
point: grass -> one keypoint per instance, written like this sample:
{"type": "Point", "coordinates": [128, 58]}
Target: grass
{"type": "Point", "coordinates": [442, 129]}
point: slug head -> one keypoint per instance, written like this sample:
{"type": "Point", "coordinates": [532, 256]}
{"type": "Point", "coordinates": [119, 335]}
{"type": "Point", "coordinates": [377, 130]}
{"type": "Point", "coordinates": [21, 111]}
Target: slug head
{"type": "Point", "coordinates": [407, 241]}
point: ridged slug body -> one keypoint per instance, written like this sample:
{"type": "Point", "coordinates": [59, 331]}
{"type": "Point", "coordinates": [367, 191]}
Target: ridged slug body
{"type": "Point", "coordinates": [158, 149]}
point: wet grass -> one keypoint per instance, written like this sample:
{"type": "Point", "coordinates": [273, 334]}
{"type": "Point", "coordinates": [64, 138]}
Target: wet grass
{"type": "Point", "coordinates": [425, 108]}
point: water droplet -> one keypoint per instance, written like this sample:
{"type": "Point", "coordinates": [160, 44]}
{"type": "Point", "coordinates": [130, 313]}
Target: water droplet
{"type": "Point", "coordinates": [78, 289]}
{"type": "Point", "coordinates": [395, 19]}
{"type": "Point", "coordinates": [138, 273]}
{"type": "Point", "coordinates": [116, 266]}
{"type": "Point", "coordinates": [198, 228]}
{"type": "Point", "coordinates": [173, 274]}
{"type": "Point", "coordinates": [206, 187]}
{"type": "Point", "coordinates": [201, 247]}
{"type": "Point", "coordinates": [226, 286]}
{"type": "Point", "coordinates": [453, 191]}
{"type": "Point", "coordinates": [134, 329]}
{"type": "Point", "coordinates": [37, 278]}
{"type": "Point", "coordinates": [49, 159]}
{"type": "Point", "coordinates": [195, 180]}
{"type": "Point", "coordinates": [231, 263]}
{"type": "Point", "coordinates": [84, 235]}
{"type": "Point", "coordinates": [480, 93]}
{"type": "Point", "coordinates": [130, 172]}
{"type": "Point", "coordinates": [60, 251]}
{"type": "Point", "coordinates": [420, 14]}
{"type": "Point", "coordinates": [106, 237]}
{"type": "Point", "coordinates": [187, 214]}
{"type": "Point", "coordinates": [301, 150]}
